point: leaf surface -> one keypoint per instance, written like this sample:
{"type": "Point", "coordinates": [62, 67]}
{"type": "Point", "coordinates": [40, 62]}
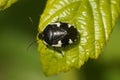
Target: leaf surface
{"type": "Point", "coordinates": [6, 3]}
{"type": "Point", "coordinates": [94, 19]}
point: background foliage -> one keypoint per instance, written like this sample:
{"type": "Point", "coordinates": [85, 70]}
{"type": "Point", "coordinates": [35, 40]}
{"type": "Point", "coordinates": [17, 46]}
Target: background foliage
{"type": "Point", "coordinates": [17, 32]}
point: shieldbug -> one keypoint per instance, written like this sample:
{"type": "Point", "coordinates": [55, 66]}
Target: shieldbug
{"type": "Point", "coordinates": [59, 34]}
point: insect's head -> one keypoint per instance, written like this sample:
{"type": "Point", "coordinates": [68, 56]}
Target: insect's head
{"type": "Point", "coordinates": [41, 36]}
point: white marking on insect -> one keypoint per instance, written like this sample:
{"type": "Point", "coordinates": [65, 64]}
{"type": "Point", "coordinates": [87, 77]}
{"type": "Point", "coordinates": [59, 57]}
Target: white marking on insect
{"type": "Point", "coordinates": [58, 45]}
{"type": "Point", "coordinates": [69, 25]}
{"type": "Point", "coordinates": [58, 24]}
{"type": "Point", "coordinates": [70, 41]}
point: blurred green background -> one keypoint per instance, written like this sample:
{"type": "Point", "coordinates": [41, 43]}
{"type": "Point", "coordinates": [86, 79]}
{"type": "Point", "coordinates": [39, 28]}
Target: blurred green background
{"type": "Point", "coordinates": [17, 63]}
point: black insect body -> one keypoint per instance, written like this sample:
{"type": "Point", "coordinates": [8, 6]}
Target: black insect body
{"type": "Point", "coordinates": [59, 35]}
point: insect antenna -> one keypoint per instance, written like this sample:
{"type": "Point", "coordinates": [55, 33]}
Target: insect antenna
{"type": "Point", "coordinates": [33, 22]}
{"type": "Point", "coordinates": [35, 41]}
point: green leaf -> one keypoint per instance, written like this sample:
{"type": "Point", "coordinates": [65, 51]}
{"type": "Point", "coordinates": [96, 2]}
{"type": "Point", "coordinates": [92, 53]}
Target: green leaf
{"type": "Point", "coordinates": [6, 3]}
{"type": "Point", "coordinates": [94, 19]}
